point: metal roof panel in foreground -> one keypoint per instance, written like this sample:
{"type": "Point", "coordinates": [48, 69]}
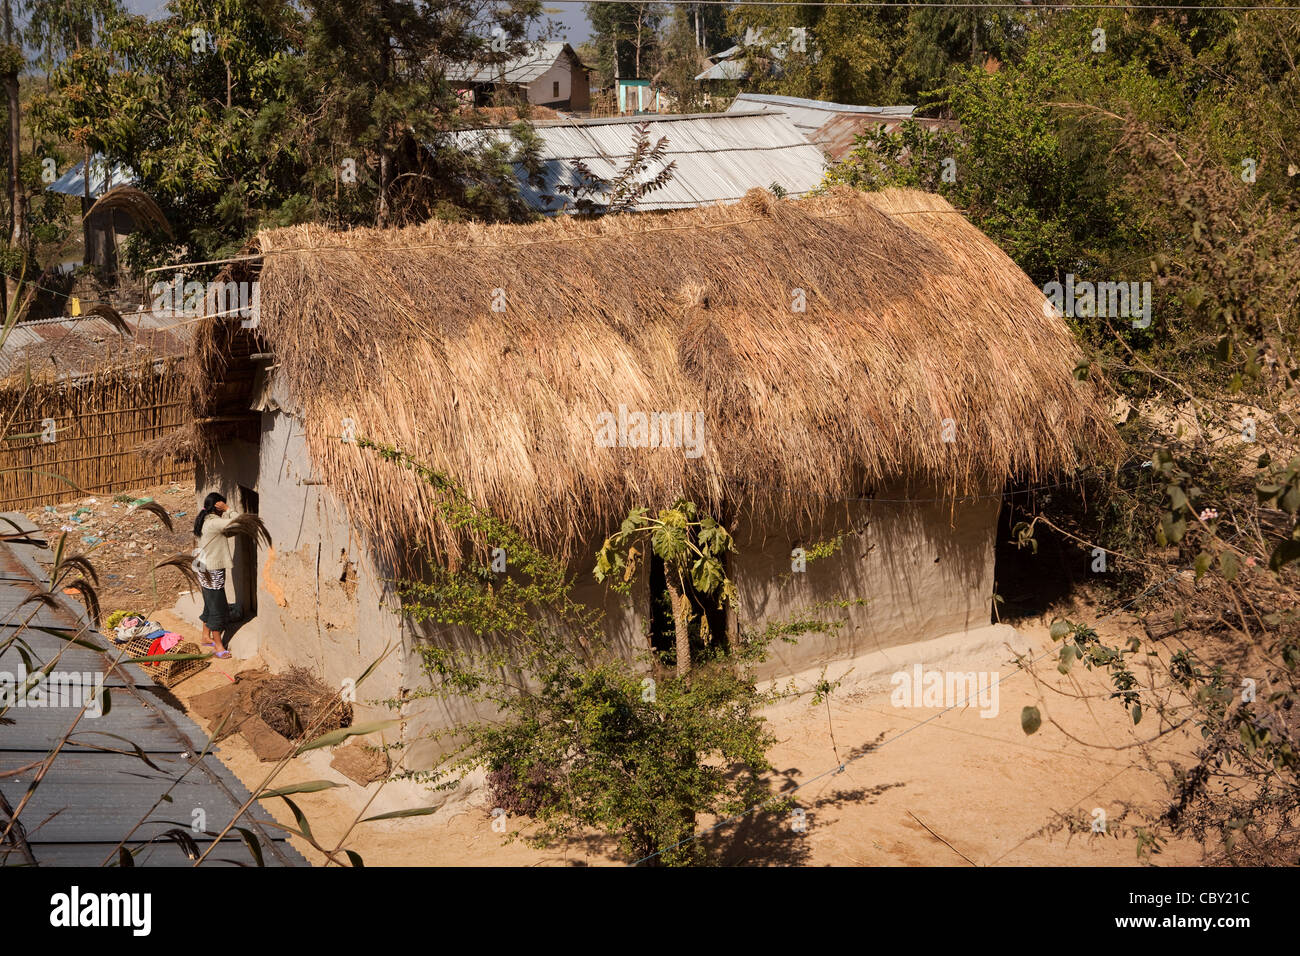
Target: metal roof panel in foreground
{"type": "Point", "coordinates": [91, 798]}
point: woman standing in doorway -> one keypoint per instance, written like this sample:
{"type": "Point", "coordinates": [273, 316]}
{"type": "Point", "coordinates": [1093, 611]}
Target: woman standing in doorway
{"type": "Point", "coordinates": [214, 558]}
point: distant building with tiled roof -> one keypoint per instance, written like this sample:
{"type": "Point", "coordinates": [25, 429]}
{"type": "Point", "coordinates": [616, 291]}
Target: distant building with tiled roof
{"type": "Point", "coordinates": [548, 74]}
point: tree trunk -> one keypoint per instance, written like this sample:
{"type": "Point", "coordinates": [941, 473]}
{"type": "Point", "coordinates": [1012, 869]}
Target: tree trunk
{"type": "Point", "coordinates": [384, 174]}
{"type": "Point", "coordinates": [640, 13]}
{"type": "Point", "coordinates": [17, 201]}
{"type": "Point", "coordinates": [87, 249]}
{"type": "Point", "coordinates": [682, 627]}
{"type": "Point", "coordinates": [385, 71]}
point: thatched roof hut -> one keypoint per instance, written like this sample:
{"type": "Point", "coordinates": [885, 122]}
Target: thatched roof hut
{"type": "Point", "coordinates": [833, 348]}
{"type": "Point", "coordinates": [910, 317]}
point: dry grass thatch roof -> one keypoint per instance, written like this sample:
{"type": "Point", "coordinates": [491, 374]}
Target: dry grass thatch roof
{"type": "Point", "coordinates": [182, 444]}
{"type": "Point", "coordinates": [912, 317]}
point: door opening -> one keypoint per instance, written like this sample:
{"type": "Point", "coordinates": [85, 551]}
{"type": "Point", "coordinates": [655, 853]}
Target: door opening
{"type": "Point", "coordinates": [1029, 578]}
{"type": "Point", "coordinates": [246, 558]}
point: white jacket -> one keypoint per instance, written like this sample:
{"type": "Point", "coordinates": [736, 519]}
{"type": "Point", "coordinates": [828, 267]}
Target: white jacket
{"type": "Point", "coordinates": [217, 552]}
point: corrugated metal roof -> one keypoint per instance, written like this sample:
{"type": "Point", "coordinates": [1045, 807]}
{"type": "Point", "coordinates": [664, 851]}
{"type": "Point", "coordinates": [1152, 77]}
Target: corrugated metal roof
{"type": "Point", "coordinates": [719, 156]}
{"type": "Point", "coordinates": [92, 798]}
{"type": "Point", "coordinates": [809, 116]}
{"type": "Point", "coordinates": [725, 70]}
{"type": "Point", "coordinates": [834, 126]}
{"type": "Point", "coordinates": [839, 133]}
{"type": "Point", "coordinates": [522, 69]}
{"type": "Point", "coordinates": [70, 346]}
{"type": "Point", "coordinates": [730, 65]}
{"type": "Point", "coordinates": [103, 177]}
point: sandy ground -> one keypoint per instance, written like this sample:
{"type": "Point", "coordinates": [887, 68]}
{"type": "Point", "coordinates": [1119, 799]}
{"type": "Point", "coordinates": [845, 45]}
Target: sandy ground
{"type": "Point", "coordinates": [920, 787]}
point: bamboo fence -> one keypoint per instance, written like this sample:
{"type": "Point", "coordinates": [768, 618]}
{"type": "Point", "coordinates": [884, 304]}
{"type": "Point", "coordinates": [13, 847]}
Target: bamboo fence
{"type": "Point", "coordinates": [99, 421]}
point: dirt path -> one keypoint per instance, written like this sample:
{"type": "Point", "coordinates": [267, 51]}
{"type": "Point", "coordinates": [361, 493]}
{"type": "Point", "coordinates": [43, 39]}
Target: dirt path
{"type": "Point", "coordinates": [126, 544]}
{"type": "Point", "coordinates": [920, 787]}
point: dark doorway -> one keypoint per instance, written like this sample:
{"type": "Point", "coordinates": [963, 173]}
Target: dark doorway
{"type": "Point", "coordinates": [1030, 581]}
{"type": "Point", "coordinates": [246, 559]}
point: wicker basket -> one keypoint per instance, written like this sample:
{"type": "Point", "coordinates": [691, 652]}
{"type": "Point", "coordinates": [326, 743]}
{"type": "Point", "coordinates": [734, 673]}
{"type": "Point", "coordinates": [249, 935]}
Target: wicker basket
{"type": "Point", "coordinates": [167, 673]}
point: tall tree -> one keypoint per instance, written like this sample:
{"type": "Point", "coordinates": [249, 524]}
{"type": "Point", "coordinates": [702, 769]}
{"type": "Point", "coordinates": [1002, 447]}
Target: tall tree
{"type": "Point", "coordinates": [12, 63]}
{"type": "Point", "coordinates": [280, 112]}
{"type": "Point", "coordinates": [55, 29]}
{"type": "Point", "coordinates": [841, 52]}
{"type": "Point", "coordinates": [680, 58]}
{"type": "Point", "coordinates": [379, 68]}
{"type": "Point", "coordinates": [624, 35]}
{"type": "Point", "coordinates": [708, 22]}
{"type": "Point", "coordinates": [936, 41]}
{"type": "Point", "coordinates": [60, 31]}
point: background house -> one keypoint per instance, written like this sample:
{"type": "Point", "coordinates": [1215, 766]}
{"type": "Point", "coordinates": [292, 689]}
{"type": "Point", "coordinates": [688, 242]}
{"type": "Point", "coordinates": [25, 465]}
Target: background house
{"type": "Point", "coordinates": [106, 228]}
{"type": "Point", "coordinates": [830, 420]}
{"type": "Point", "coordinates": [729, 66]}
{"type": "Point", "coordinates": [548, 74]}
{"type": "Point", "coordinates": [107, 393]}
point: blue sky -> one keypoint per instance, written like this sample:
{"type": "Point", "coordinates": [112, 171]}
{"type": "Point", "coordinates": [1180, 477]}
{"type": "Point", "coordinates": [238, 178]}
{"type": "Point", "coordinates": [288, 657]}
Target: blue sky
{"type": "Point", "coordinates": [571, 18]}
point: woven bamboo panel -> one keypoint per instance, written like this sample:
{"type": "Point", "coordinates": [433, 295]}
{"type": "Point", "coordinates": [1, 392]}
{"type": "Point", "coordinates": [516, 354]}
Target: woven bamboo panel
{"type": "Point", "coordinates": [99, 421]}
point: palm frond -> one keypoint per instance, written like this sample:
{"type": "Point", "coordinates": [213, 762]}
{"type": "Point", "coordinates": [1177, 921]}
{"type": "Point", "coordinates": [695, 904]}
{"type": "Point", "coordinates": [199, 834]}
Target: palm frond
{"type": "Point", "coordinates": [75, 562]}
{"type": "Point", "coordinates": [41, 596]}
{"type": "Point", "coordinates": [184, 564]}
{"type": "Point", "coordinates": [158, 511]}
{"type": "Point", "coordinates": [248, 526]}
{"type": "Point", "coordinates": [89, 597]}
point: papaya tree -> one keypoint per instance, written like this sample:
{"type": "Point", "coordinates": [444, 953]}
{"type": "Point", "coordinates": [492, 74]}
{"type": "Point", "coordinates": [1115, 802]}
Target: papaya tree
{"type": "Point", "coordinates": [692, 546]}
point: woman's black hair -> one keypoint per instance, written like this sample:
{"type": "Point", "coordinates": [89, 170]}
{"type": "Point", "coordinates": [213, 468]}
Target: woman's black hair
{"type": "Point", "coordinates": [209, 504]}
